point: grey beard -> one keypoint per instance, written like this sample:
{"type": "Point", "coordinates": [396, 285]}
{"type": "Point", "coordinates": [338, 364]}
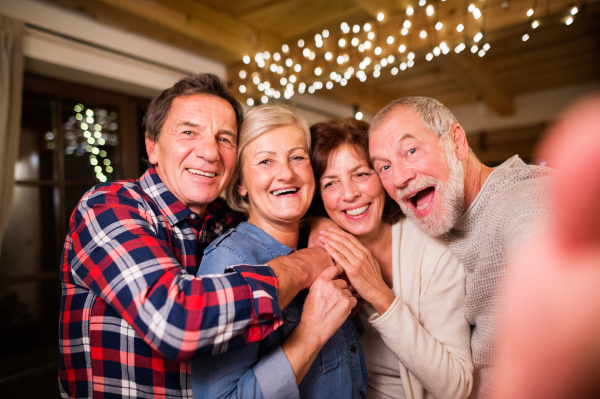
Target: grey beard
{"type": "Point", "coordinates": [449, 197]}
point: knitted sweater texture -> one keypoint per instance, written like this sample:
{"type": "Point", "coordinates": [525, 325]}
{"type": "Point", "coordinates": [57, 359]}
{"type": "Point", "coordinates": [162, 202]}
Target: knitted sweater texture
{"type": "Point", "coordinates": [507, 210]}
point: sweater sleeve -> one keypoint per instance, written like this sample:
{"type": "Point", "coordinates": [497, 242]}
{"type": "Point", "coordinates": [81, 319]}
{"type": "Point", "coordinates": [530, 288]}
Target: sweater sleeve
{"type": "Point", "coordinates": [434, 347]}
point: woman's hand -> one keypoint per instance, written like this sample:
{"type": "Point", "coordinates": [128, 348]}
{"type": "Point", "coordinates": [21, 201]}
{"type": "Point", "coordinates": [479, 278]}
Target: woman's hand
{"type": "Point", "coordinates": [360, 266]}
{"type": "Point", "coordinates": [326, 307]}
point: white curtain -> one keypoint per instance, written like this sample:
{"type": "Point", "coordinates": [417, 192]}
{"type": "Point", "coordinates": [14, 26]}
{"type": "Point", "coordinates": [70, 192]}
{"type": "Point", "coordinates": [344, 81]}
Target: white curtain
{"type": "Point", "coordinates": [11, 88]}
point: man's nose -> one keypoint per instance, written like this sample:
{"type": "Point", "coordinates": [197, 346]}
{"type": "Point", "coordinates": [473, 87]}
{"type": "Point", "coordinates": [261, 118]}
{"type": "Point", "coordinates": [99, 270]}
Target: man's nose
{"type": "Point", "coordinates": [207, 149]}
{"type": "Point", "coordinates": [402, 175]}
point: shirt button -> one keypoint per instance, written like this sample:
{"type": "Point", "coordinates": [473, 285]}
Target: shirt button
{"type": "Point", "coordinates": [363, 394]}
{"type": "Point", "coordinates": [353, 348]}
{"type": "Point", "coordinates": [192, 216]}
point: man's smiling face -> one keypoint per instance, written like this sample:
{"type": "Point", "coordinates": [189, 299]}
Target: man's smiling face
{"type": "Point", "coordinates": [195, 152]}
{"type": "Point", "coordinates": [419, 170]}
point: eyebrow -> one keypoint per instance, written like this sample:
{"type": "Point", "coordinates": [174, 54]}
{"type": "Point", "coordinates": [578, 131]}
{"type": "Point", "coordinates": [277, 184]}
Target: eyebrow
{"type": "Point", "coordinates": [405, 136]}
{"type": "Point", "coordinates": [195, 125]}
{"type": "Point", "coordinates": [354, 169]}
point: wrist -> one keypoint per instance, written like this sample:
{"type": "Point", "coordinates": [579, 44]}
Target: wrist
{"type": "Point", "coordinates": [383, 301]}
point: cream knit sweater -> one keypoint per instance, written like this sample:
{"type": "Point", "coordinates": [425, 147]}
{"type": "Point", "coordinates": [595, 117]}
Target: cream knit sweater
{"type": "Point", "coordinates": [425, 326]}
{"type": "Point", "coordinates": [505, 212]}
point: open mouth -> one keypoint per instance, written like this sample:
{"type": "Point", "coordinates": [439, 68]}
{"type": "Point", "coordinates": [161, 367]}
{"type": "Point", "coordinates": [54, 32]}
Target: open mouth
{"type": "Point", "coordinates": [357, 211]}
{"type": "Point", "coordinates": [201, 173]}
{"type": "Point", "coordinates": [421, 199]}
{"type": "Point", "coordinates": [285, 191]}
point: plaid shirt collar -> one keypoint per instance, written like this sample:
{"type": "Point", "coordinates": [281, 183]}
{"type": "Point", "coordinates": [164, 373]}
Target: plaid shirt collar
{"type": "Point", "coordinates": [174, 209]}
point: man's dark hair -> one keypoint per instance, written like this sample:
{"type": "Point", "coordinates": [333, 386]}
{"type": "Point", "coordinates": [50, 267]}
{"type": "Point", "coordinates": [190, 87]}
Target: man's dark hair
{"type": "Point", "coordinates": [202, 83]}
{"type": "Point", "coordinates": [326, 138]}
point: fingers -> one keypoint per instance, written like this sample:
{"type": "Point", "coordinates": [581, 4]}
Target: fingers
{"type": "Point", "coordinates": [341, 284]}
{"type": "Point", "coordinates": [330, 273]}
{"type": "Point", "coordinates": [343, 239]}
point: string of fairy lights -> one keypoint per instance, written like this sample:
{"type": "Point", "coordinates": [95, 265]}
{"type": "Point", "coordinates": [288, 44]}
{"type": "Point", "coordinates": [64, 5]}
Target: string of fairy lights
{"type": "Point", "coordinates": [363, 51]}
{"type": "Point", "coordinates": [92, 131]}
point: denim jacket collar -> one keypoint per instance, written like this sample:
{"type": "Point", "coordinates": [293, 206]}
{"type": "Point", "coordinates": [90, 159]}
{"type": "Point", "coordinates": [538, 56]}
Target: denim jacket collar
{"type": "Point", "coordinates": [258, 235]}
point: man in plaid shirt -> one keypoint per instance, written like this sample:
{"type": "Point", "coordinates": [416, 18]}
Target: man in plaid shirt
{"type": "Point", "coordinates": [132, 312]}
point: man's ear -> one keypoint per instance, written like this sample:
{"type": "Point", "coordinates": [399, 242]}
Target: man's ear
{"type": "Point", "coordinates": [459, 138]}
{"type": "Point", "coordinates": [152, 150]}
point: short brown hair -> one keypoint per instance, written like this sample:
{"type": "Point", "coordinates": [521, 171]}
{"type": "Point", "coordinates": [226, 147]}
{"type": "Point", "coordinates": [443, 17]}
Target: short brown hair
{"type": "Point", "coordinates": [326, 138]}
{"type": "Point", "coordinates": [202, 83]}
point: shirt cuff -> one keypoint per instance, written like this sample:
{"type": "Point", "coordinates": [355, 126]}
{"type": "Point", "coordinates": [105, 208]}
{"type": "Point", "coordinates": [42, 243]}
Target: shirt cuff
{"type": "Point", "coordinates": [264, 287]}
{"type": "Point", "coordinates": [276, 376]}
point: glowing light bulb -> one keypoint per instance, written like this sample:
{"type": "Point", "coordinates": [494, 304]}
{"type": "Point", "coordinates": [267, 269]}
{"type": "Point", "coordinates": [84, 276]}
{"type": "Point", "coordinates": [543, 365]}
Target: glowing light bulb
{"type": "Point", "coordinates": [423, 34]}
{"type": "Point", "coordinates": [429, 10]}
{"type": "Point", "coordinates": [390, 39]}
{"type": "Point", "coordinates": [439, 26]}
{"type": "Point", "coordinates": [410, 10]}
{"type": "Point", "coordinates": [460, 28]}
{"type": "Point", "coordinates": [530, 12]}
{"type": "Point", "coordinates": [380, 16]}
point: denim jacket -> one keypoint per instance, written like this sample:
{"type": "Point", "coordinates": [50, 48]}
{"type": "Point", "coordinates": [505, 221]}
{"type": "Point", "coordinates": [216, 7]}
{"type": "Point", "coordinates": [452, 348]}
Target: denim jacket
{"type": "Point", "coordinates": [261, 370]}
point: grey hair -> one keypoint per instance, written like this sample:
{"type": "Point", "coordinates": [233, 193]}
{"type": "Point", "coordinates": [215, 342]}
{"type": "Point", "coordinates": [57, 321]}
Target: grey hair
{"type": "Point", "coordinates": [258, 121]}
{"type": "Point", "coordinates": [433, 114]}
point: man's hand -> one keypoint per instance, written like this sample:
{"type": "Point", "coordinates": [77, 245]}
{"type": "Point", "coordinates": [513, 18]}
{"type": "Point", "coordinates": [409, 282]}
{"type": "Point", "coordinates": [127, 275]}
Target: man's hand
{"type": "Point", "coordinates": [299, 270]}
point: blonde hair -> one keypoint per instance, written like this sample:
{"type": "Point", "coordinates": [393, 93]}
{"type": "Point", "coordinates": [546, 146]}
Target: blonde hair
{"type": "Point", "coordinates": [258, 121]}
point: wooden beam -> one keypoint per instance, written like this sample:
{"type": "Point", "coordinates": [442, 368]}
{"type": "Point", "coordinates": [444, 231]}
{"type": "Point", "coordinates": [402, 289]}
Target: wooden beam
{"type": "Point", "coordinates": [199, 22]}
{"type": "Point", "coordinates": [472, 71]}
{"type": "Point", "coordinates": [291, 19]}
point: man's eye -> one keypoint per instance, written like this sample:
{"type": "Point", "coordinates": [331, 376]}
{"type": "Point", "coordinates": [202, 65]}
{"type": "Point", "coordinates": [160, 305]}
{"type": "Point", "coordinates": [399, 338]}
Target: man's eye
{"type": "Point", "coordinates": [188, 132]}
{"type": "Point", "coordinates": [384, 168]}
{"type": "Point", "coordinates": [412, 151]}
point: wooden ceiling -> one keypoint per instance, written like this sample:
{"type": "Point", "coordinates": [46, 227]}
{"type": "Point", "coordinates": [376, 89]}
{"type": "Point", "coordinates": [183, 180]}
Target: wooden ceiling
{"type": "Point", "coordinates": [555, 54]}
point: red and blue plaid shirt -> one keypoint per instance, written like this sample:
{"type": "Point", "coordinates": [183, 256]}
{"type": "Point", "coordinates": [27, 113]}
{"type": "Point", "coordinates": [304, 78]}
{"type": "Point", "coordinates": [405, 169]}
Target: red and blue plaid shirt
{"type": "Point", "coordinates": [132, 312]}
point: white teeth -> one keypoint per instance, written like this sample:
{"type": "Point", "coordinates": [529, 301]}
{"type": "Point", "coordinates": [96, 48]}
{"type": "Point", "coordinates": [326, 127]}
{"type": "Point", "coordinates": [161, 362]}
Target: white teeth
{"type": "Point", "coordinates": [413, 194]}
{"type": "Point", "coordinates": [357, 211]}
{"type": "Point", "coordinates": [200, 173]}
{"type": "Point", "coordinates": [285, 190]}
{"type": "Point", "coordinates": [423, 206]}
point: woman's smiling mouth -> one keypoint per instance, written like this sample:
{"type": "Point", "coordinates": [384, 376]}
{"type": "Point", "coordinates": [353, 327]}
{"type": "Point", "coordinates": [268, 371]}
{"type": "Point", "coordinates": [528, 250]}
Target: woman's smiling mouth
{"type": "Point", "coordinates": [357, 211]}
{"type": "Point", "coordinates": [285, 191]}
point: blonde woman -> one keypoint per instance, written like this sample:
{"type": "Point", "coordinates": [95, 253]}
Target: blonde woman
{"type": "Point", "coordinates": [316, 353]}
